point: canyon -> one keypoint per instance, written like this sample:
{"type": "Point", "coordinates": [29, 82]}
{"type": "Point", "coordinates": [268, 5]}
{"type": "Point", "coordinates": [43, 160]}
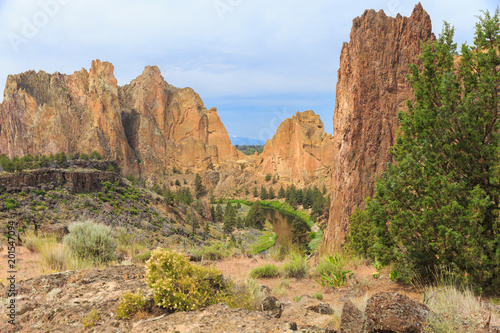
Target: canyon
{"type": "Point", "coordinates": [150, 127]}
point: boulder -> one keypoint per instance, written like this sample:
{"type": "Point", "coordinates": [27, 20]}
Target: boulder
{"type": "Point", "coordinates": [391, 312]}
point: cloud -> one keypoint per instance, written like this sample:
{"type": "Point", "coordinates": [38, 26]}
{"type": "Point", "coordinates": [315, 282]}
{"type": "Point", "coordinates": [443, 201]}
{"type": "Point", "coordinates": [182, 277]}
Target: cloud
{"type": "Point", "coordinates": [280, 52]}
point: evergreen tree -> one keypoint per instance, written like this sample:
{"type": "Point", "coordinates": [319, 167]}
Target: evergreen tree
{"type": "Point", "coordinates": [270, 194]}
{"type": "Point", "coordinates": [438, 205]}
{"type": "Point", "coordinates": [206, 230]}
{"type": "Point", "coordinates": [255, 192]}
{"type": "Point", "coordinates": [299, 231]}
{"type": "Point", "coordinates": [281, 193]}
{"type": "Point", "coordinates": [198, 186]}
{"type": "Point", "coordinates": [212, 212]}
{"type": "Point", "coordinates": [169, 196]}
{"type": "Point", "coordinates": [263, 193]}
{"type": "Point", "coordinates": [219, 213]}
{"type": "Point", "coordinates": [318, 205]}
{"type": "Point", "coordinates": [256, 218]}
{"type": "Point", "coordinates": [184, 195]}
{"type": "Point", "coordinates": [229, 220]}
{"type": "Point", "coordinates": [308, 200]}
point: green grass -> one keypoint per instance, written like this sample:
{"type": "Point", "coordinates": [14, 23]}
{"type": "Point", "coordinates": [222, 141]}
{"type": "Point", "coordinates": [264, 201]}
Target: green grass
{"type": "Point", "coordinates": [215, 251]}
{"type": "Point", "coordinates": [266, 271]}
{"type": "Point", "coordinates": [296, 267]}
{"type": "Point", "coordinates": [318, 296]}
{"type": "Point", "coordinates": [143, 257]}
{"type": "Point", "coordinates": [264, 242]}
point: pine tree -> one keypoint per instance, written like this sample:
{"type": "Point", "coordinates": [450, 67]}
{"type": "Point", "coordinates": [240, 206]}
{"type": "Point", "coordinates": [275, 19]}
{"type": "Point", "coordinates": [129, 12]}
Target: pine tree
{"type": "Point", "coordinates": [169, 196]}
{"type": "Point", "coordinates": [281, 193]}
{"type": "Point", "coordinates": [256, 218]}
{"type": "Point", "coordinates": [212, 212]}
{"type": "Point", "coordinates": [299, 231]}
{"type": "Point", "coordinates": [263, 193]}
{"type": "Point", "coordinates": [229, 220]}
{"type": "Point", "coordinates": [219, 213]}
{"type": "Point", "coordinates": [438, 205]}
{"type": "Point", "coordinates": [255, 192]}
{"type": "Point", "coordinates": [198, 186]}
{"type": "Point", "coordinates": [270, 194]}
{"type": "Point", "coordinates": [206, 230]}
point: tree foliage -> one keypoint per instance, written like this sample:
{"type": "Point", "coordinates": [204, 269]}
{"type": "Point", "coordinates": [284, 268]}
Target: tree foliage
{"type": "Point", "coordinates": [255, 217]}
{"type": "Point", "coordinates": [438, 204]}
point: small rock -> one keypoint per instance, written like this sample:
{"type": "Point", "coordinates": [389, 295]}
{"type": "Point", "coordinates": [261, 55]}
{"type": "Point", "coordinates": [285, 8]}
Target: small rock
{"type": "Point", "coordinates": [272, 306]}
{"type": "Point", "coordinates": [352, 319]}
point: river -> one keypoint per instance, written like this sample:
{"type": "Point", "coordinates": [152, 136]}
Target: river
{"type": "Point", "coordinates": [281, 222]}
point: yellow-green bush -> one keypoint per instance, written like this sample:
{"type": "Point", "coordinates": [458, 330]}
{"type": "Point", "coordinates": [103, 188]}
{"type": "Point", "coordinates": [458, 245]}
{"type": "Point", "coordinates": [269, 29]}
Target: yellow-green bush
{"type": "Point", "coordinates": [179, 285]}
{"type": "Point", "coordinates": [130, 304]}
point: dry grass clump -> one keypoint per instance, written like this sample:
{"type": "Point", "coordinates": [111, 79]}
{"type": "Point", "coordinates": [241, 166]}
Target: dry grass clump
{"type": "Point", "coordinates": [458, 310]}
{"type": "Point", "coordinates": [34, 243]}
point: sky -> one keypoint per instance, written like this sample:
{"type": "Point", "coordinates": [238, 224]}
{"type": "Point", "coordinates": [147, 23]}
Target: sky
{"type": "Point", "coordinates": [257, 61]}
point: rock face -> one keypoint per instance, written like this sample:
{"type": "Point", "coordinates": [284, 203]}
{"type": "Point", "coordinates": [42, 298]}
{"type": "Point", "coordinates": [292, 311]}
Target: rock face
{"type": "Point", "coordinates": [76, 181]}
{"type": "Point", "coordinates": [299, 150]}
{"type": "Point", "coordinates": [147, 125]}
{"type": "Point", "coordinates": [371, 89]}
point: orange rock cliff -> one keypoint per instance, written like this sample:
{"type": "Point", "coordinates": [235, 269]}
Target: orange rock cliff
{"type": "Point", "coordinates": [147, 125]}
{"type": "Point", "coordinates": [300, 150]}
{"type": "Point", "coordinates": [371, 89]}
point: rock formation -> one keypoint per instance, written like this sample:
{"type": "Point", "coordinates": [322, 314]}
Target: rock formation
{"type": "Point", "coordinates": [146, 126]}
{"type": "Point", "coordinates": [76, 181]}
{"type": "Point", "coordinates": [371, 89]}
{"type": "Point", "coordinates": [299, 149]}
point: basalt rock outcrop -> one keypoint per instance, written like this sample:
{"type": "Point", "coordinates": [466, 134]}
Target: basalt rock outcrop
{"type": "Point", "coordinates": [146, 126]}
{"type": "Point", "coordinates": [371, 89]}
{"type": "Point", "coordinates": [76, 181]}
{"type": "Point", "coordinates": [300, 150]}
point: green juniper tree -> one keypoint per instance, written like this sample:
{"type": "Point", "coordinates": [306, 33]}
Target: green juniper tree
{"type": "Point", "coordinates": [438, 204]}
{"type": "Point", "coordinates": [198, 186]}
{"type": "Point", "coordinates": [255, 217]}
{"type": "Point", "coordinates": [281, 193]}
{"type": "Point", "coordinates": [263, 193]}
{"type": "Point", "coordinates": [229, 220]}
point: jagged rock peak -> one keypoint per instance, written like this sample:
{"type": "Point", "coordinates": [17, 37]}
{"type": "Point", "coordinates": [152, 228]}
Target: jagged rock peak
{"type": "Point", "coordinates": [146, 126]}
{"type": "Point", "coordinates": [371, 89]}
{"type": "Point", "coordinates": [300, 150]}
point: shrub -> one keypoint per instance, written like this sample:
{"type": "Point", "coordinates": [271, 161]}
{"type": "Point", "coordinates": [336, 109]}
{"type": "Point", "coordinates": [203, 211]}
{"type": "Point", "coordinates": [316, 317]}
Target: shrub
{"type": "Point", "coordinates": [266, 271]}
{"type": "Point", "coordinates": [296, 267]}
{"type": "Point", "coordinates": [256, 293]}
{"type": "Point", "coordinates": [91, 319]}
{"type": "Point", "coordinates": [91, 241]}
{"type": "Point", "coordinates": [361, 235]}
{"type": "Point", "coordinates": [54, 257]}
{"type": "Point", "coordinates": [331, 272]}
{"type": "Point", "coordinates": [143, 257]}
{"type": "Point", "coordinates": [215, 251]}
{"type": "Point", "coordinates": [130, 304]}
{"type": "Point", "coordinates": [180, 286]}
{"type": "Point", "coordinates": [318, 296]}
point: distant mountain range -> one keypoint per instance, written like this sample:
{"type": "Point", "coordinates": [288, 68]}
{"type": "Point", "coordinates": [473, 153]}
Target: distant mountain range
{"type": "Point", "coordinates": [240, 141]}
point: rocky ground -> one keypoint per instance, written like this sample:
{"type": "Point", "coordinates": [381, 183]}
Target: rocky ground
{"type": "Point", "coordinates": [86, 301]}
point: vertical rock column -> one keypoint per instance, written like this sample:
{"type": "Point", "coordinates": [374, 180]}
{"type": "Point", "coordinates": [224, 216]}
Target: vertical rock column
{"type": "Point", "coordinates": [371, 89]}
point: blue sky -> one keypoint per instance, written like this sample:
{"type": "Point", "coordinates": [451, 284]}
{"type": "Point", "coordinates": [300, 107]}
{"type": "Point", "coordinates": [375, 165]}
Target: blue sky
{"type": "Point", "coordinates": [257, 61]}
